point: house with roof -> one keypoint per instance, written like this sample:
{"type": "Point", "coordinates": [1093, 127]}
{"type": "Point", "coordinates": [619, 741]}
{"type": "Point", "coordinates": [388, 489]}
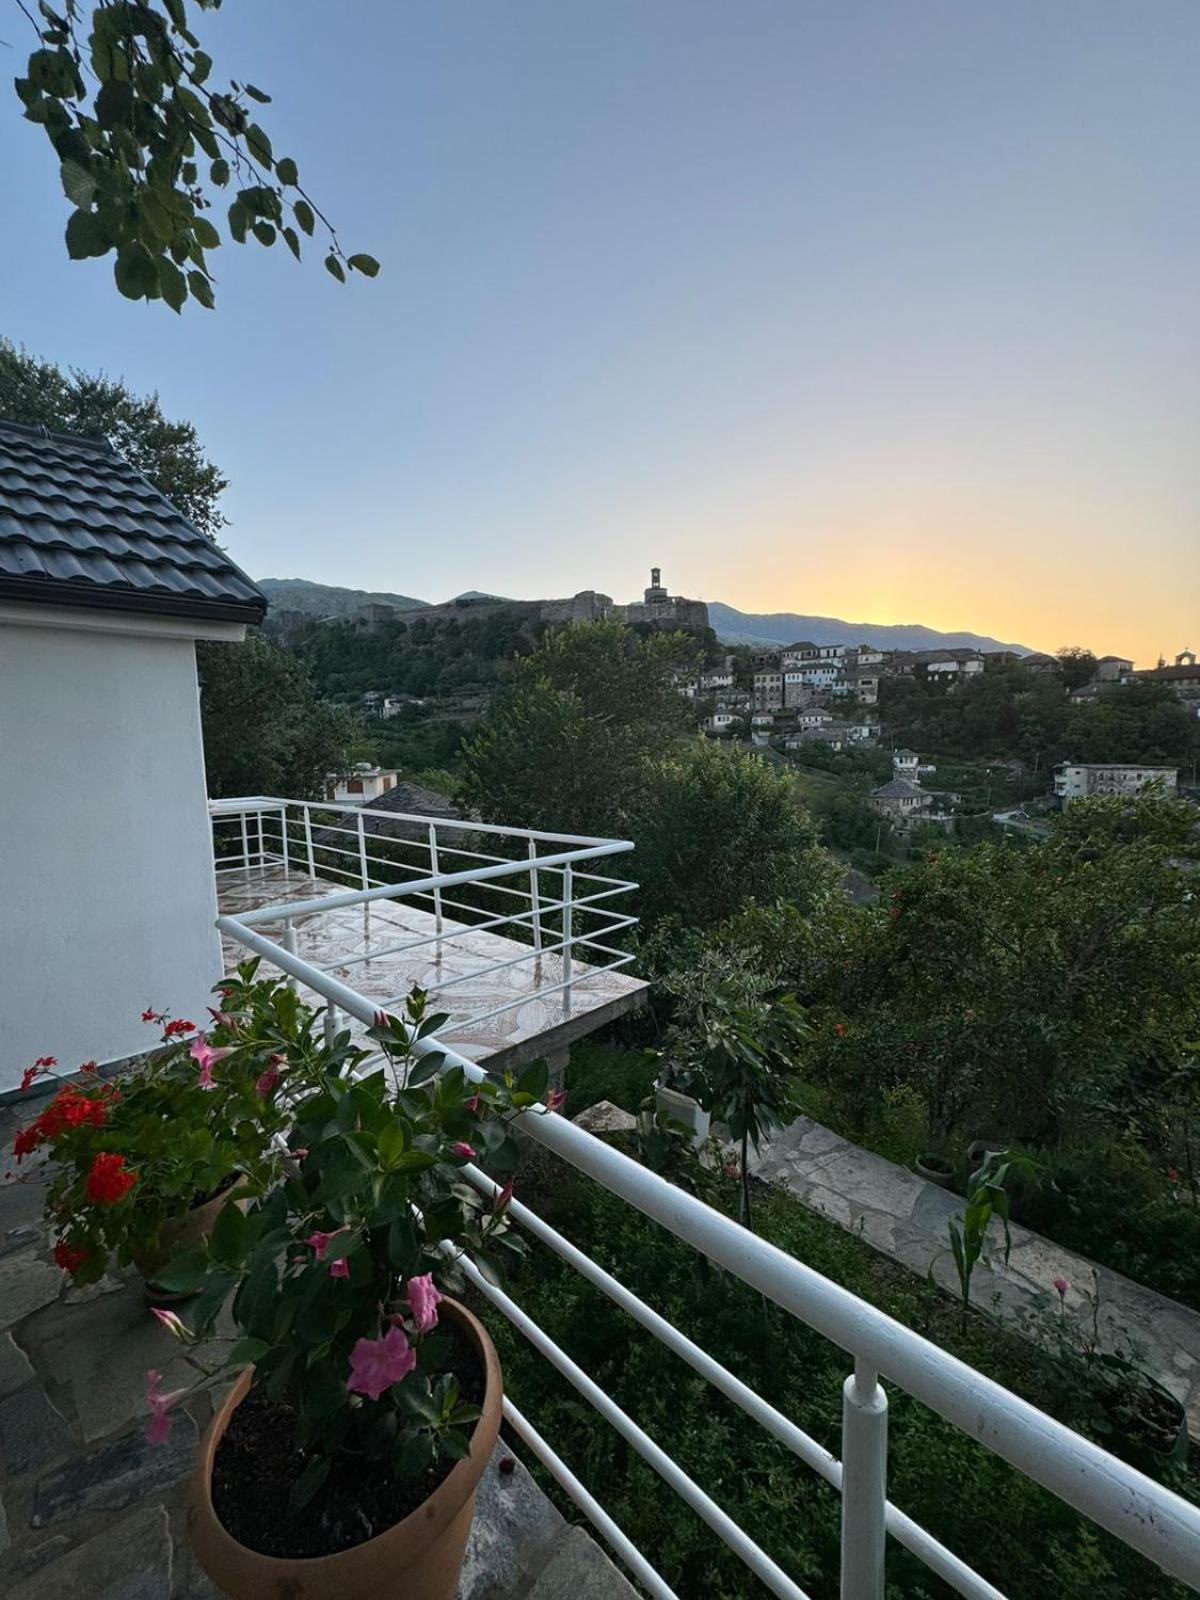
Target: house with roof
{"type": "Point", "coordinates": [901, 800]}
{"type": "Point", "coordinates": [905, 764]}
{"type": "Point", "coordinates": [104, 589]}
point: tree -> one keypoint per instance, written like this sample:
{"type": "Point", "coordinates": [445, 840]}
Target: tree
{"type": "Point", "coordinates": [715, 826]}
{"type": "Point", "coordinates": [265, 730]}
{"type": "Point", "coordinates": [1078, 666]}
{"type": "Point", "coordinates": [168, 453]}
{"type": "Point", "coordinates": [563, 747]}
{"type": "Point", "coordinates": [125, 101]}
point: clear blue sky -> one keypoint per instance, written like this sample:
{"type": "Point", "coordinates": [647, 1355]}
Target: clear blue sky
{"type": "Point", "coordinates": [887, 310]}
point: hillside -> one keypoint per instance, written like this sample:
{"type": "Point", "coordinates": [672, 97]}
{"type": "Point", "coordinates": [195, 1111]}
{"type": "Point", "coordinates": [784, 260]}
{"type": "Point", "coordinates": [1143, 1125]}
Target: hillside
{"type": "Point", "coordinates": [785, 627]}
{"type": "Point", "coordinates": [327, 599]}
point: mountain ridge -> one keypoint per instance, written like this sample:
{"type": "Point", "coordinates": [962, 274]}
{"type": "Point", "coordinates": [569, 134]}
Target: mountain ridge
{"type": "Point", "coordinates": [730, 625]}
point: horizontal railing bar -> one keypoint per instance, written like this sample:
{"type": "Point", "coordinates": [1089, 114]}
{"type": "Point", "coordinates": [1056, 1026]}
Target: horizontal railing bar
{"type": "Point", "coordinates": [577, 981]}
{"type": "Point", "coordinates": [688, 1490]}
{"type": "Point", "coordinates": [906, 1532]}
{"type": "Point", "coordinates": [1146, 1515]}
{"type": "Point", "coordinates": [651, 1580]}
{"type": "Point", "coordinates": [461, 825]}
{"type": "Point", "coordinates": [443, 880]}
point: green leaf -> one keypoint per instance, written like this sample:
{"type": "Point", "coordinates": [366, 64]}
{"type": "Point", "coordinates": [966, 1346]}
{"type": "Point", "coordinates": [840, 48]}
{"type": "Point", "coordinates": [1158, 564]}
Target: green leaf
{"type": "Point", "coordinates": [247, 1351]}
{"type": "Point", "coordinates": [136, 272]}
{"type": "Point", "coordinates": [206, 235]}
{"type": "Point", "coordinates": [86, 236]}
{"type": "Point", "coordinates": [229, 1232]}
{"type": "Point", "coordinates": [219, 172]}
{"type": "Point", "coordinates": [286, 171]}
{"type": "Point", "coordinates": [367, 265]}
{"type": "Point", "coordinates": [237, 222]}
{"type": "Point", "coordinates": [201, 288]}
{"type": "Point", "coordinates": [264, 233]}
{"type": "Point", "coordinates": [258, 144]}
{"type": "Point", "coordinates": [413, 1453]}
{"type": "Point", "coordinates": [292, 241]}
{"type": "Point", "coordinates": [334, 266]}
{"type": "Point", "coordinates": [173, 284]}
{"type": "Point", "coordinates": [307, 1484]}
{"type": "Point", "coordinates": [201, 65]}
{"type": "Point", "coordinates": [304, 216]}
{"type": "Point", "coordinates": [263, 98]}
{"type": "Point", "coordinates": [454, 1444]}
{"type": "Point", "coordinates": [78, 184]}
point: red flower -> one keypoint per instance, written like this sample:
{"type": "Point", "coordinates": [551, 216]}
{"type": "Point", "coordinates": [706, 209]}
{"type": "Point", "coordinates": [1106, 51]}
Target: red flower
{"type": "Point", "coordinates": [26, 1141]}
{"type": "Point", "coordinates": [149, 1015]}
{"type": "Point", "coordinates": [108, 1181]}
{"type": "Point", "coordinates": [70, 1257]}
{"type": "Point", "coordinates": [840, 1029]}
{"type": "Point", "coordinates": [46, 1061]}
{"type": "Point", "coordinates": [174, 1029]}
{"type": "Point", "coordinates": [28, 1076]}
{"type": "Point", "coordinates": [87, 1066]}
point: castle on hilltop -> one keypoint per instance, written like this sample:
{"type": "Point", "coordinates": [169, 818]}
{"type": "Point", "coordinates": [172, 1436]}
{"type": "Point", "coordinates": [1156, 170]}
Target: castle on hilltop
{"type": "Point", "coordinates": [656, 609]}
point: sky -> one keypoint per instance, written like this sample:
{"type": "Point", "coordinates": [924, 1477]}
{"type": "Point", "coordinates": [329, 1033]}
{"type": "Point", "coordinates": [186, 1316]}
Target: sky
{"type": "Point", "coordinates": [887, 311]}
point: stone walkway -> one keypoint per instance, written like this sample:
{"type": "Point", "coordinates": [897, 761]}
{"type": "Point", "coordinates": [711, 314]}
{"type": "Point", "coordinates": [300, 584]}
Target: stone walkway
{"type": "Point", "coordinates": [90, 1511]}
{"type": "Point", "coordinates": [905, 1217]}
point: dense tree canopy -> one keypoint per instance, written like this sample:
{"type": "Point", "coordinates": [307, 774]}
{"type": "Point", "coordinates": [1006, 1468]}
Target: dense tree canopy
{"type": "Point", "coordinates": [146, 145]}
{"type": "Point", "coordinates": [265, 731]}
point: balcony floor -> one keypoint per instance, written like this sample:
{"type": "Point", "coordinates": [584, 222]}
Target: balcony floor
{"type": "Point", "coordinates": [537, 1025]}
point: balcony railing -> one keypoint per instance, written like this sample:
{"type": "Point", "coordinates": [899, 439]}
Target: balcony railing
{"type": "Point", "coordinates": [552, 915]}
{"type": "Point", "coordinates": [1142, 1513]}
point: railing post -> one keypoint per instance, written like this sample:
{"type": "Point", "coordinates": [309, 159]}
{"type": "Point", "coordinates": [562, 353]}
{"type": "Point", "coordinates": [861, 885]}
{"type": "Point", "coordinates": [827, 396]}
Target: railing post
{"type": "Point", "coordinates": [289, 944]}
{"type": "Point", "coordinates": [262, 857]}
{"type": "Point", "coordinates": [535, 898]}
{"type": "Point", "coordinates": [434, 869]}
{"type": "Point", "coordinates": [332, 1024]}
{"type": "Point", "coordinates": [568, 892]}
{"type": "Point", "coordinates": [362, 852]}
{"type": "Point", "coordinates": [864, 1484]}
{"type": "Point", "coordinates": [245, 842]}
{"type": "Point", "coordinates": [283, 835]}
{"type": "Point", "coordinates": [308, 842]}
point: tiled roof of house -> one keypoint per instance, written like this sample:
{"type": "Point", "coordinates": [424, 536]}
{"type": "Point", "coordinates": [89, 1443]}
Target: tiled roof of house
{"type": "Point", "coordinates": [80, 526]}
{"type": "Point", "coordinates": [897, 789]}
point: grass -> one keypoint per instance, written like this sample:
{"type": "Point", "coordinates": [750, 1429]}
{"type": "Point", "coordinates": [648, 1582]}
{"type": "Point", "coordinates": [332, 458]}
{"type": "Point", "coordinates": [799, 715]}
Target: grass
{"type": "Point", "coordinates": [1016, 1534]}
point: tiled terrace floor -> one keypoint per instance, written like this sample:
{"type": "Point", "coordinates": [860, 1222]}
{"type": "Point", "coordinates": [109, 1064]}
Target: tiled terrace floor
{"type": "Point", "coordinates": [534, 1024]}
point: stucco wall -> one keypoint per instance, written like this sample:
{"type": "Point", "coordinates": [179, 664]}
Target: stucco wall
{"type": "Point", "coordinates": [106, 889]}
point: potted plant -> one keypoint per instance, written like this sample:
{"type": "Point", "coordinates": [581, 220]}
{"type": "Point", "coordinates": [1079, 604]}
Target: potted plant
{"type": "Point", "coordinates": [674, 1098]}
{"type": "Point", "coordinates": [935, 1168]}
{"type": "Point", "coordinates": [146, 1161]}
{"type": "Point", "coordinates": [344, 1462]}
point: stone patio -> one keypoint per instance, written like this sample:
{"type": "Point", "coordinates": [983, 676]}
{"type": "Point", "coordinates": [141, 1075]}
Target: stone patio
{"type": "Point", "coordinates": [905, 1217]}
{"type": "Point", "coordinates": [534, 1025]}
{"type": "Point", "coordinates": [90, 1511]}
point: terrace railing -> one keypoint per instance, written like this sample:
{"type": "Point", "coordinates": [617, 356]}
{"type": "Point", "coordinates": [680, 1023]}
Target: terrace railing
{"type": "Point", "coordinates": [536, 889]}
{"type": "Point", "coordinates": [1142, 1513]}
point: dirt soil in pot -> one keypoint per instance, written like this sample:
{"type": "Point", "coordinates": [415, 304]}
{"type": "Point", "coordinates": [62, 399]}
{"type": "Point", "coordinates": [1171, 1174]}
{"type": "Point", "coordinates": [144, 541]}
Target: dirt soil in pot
{"type": "Point", "coordinates": [257, 1462]}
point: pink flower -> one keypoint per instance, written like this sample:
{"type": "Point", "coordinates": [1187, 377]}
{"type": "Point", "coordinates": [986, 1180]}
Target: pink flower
{"type": "Point", "coordinates": [339, 1269]}
{"type": "Point", "coordinates": [222, 1018]}
{"type": "Point", "coordinates": [500, 1203]}
{"type": "Point", "coordinates": [463, 1150]}
{"type": "Point", "coordinates": [269, 1077]}
{"type": "Point", "coordinates": [556, 1099]}
{"type": "Point", "coordinates": [376, 1364]}
{"type": "Point", "coordinates": [423, 1300]}
{"type": "Point", "coordinates": [298, 1152]}
{"type": "Point", "coordinates": [1061, 1285]}
{"type": "Point", "coordinates": [171, 1322]}
{"type": "Point", "coordinates": [203, 1053]}
{"type": "Point", "coordinates": [320, 1241]}
{"type": "Point", "coordinates": [158, 1429]}
{"type": "Point", "coordinates": [472, 1104]}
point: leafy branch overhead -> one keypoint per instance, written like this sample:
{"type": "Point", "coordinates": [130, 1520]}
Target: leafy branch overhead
{"type": "Point", "coordinates": [145, 144]}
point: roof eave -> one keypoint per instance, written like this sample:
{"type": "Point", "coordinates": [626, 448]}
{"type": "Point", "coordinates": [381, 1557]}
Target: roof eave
{"type": "Point", "coordinates": [53, 592]}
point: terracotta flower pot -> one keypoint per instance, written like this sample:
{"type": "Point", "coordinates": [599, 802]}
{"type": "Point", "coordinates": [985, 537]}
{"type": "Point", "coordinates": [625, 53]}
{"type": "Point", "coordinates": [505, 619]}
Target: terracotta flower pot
{"type": "Point", "coordinates": [179, 1234]}
{"type": "Point", "coordinates": [418, 1558]}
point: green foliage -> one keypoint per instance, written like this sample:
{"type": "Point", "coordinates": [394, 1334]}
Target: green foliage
{"type": "Point", "coordinates": [180, 1139]}
{"type": "Point", "coordinates": [336, 1265]}
{"type": "Point", "coordinates": [987, 1199]}
{"type": "Point", "coordinates": [146, 144]}
{"type": "Point", "coordinates": [1025, 1541]}
{"type": "Point", "coordinates": [168, 453]}
{"type": "Point", "coordinates": [715, 826]}
{"type": "Point", "coordinates": [265, 730]}
{"type": "Point", "coordinates": [598, 1071]}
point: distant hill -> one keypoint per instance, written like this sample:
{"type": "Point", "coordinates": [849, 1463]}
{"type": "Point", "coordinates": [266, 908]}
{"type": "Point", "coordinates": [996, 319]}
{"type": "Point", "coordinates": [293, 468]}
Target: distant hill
{"type": "Point", "coordinates": [785, 627]}
{"type": "Point", "coordinates": [326, 599]}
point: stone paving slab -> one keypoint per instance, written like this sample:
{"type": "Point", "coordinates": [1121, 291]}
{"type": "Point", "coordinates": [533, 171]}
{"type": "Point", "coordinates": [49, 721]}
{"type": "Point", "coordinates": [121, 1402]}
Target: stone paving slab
{"type": "Point", "coordinates": [905, 1217]}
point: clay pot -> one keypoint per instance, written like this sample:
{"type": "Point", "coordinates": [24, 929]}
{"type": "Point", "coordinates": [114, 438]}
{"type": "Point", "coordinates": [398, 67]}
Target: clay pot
{"type": "Point", "coordinates": [418, 1558]}
{"type": "Point", "coordinates": [179, 1234]}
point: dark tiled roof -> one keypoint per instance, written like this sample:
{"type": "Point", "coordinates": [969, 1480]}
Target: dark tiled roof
{"type": "Point", "coordinates": [897, 789]}
{"type": "Point", "coordinates": [79, 526]}
{"type": "Point", "coordinates": [411, 798]}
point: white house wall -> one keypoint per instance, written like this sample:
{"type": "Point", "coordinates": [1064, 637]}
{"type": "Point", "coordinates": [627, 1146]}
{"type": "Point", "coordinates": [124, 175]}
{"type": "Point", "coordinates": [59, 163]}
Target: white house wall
{"type": "Point", "coordinates": [106, 882]}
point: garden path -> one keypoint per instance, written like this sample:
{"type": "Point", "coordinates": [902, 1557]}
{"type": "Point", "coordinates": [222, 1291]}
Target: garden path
{"type": "Point", "coordinates": [905, 1217]}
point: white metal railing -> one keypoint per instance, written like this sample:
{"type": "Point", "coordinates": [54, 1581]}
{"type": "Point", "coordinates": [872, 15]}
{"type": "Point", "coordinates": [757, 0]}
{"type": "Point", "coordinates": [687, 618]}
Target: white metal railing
{"type": "Point", "coordinates": [1144, 1514]}
{"type": "Point", "coordinates": [525, 885]}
